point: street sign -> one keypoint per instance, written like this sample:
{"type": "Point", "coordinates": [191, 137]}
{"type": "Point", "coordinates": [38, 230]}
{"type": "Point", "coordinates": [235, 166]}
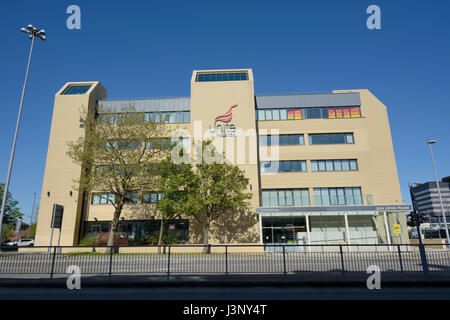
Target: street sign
{"type": "Point", "coordinates": [397, 229]}
{"type": "Point", "coordinates": [57, 216]}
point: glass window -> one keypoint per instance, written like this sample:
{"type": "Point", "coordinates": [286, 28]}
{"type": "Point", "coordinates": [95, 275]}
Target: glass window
{"type": "Point", "coordinates": [95, 198]}
{"type": "Point", "coordinates": [357, 195]}
{"type": "Point", "coordinates": [261, 115]}
{"type": "Point", "coordinates": [273, 198]}
{"type": "Point", "coordinates": [349, 196]}
{"type": "Point", "coordinates": [333, 196]}
{"type": "Point", "coordinates": [353, 165]}
{"type": "Point", "coordinates": [345, 165]}
{"type": "Point", "coordinates": [178, 116]}
{"type": "Point", "coordinates": [293, 139]}
{"type": "Point", "coordinates": [317, 196]}
{"type": "Point", "coordinates": [329, 165]}
{"type": "Point", "coordinates": [337, 165]}
{"type": "Point", "coordinates": [281, 198]}
{"type": "Point", "coordinates": [76, 89]}
{"type": "Point", "coordinates": [286, 166]}
{"type": "Point", "coordinates": [289, 199]}
{"type": "Point", "coordinates": [284, 140]}
{"type": "Point", "coordinates": [325, 196]}
{"type": "Point", "coordinates": [283, 114]}
{"type": "Point", "coordinates": [340, 196]}
{"type": "Point", "coordinates": [321, 165]}
{"type": "Point", "coordinates": [295, 166]}
{"type": "Point", "coordinates": [297, 198]}
{"type": "Point", "coordinates": [305, 197]}
{"type": "Point", "coordinates": [265, 199]}
{"type": "Point", "coordinates": [275, 114]}
{"type": "Point", "coordinates": [349, 137]}
{"type": "Point", "coordinates": [186, 116]}
{"type": "Point", "coordinates": [314, 166]}
{"type": "Point", "coordinates": [268, 114]}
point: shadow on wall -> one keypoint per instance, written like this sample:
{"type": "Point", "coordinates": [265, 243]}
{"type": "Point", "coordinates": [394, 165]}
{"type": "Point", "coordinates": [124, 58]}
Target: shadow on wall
{"type": "Point", "coordinates": [236, 227]}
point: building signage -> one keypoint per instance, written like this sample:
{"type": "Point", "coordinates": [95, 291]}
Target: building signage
{"type": "Point", "coordinates": [224, 128]}
{"type": "Point", "coordinates": [397, 229]}
{"type": "Point", "coordinates": [336, 208]}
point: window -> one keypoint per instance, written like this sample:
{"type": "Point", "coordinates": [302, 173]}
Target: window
{"type": "Point", "coordinates": [334, 165]}
{"type": "Point", "coordinates": [330, 138]}
{"type": "Point", "coordinates": [102, 198]}
{"type": "Point", "coordinates": [222, 76]}
{"type": "Point", "coordinates": [151, 197]}
{"type": "Point", "coordinates": [337, 196]}
{"type": "Point", "coordinates": [285, 197]}
{"type": "Point", "coordinates": [282, 140]}
{"type": "Point", "coordinates": [313, 113]}
{"type": "Point", "coordinates": [283, 166]}
{"type": "Point", "coordinates": [76, 89]}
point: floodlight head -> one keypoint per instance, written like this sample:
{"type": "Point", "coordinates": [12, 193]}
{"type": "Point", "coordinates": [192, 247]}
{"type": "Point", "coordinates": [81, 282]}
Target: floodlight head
{"type": "Point", "coordinates": [30, 36]}
{"type": "Point", "coordinates": [30, 27]}
{"type": "Point", "coordinates": [43, 38]}
{"type": "Point", "coordinates": [431, 141]}
{"type": "Point", "coordinates": [42, 32]}
{"type": "Point", "coordinates": [24, 30]}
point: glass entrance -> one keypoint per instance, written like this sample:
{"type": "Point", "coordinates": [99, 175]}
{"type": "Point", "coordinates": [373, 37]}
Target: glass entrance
{"type": "Point", "coordinates": [284, 230]}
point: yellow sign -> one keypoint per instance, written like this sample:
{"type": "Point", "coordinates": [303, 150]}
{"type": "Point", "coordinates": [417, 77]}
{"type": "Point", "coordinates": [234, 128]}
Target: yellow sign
{"type": "Point", "coordinates": [397, 229]}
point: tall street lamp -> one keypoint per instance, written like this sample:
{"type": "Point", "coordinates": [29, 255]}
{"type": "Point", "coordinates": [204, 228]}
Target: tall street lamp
{"type": "Point", "coordinates": [32, 34]}
{"type": "Point", "coordinates": [430, 142]}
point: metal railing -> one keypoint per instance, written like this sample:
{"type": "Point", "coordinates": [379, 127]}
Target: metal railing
{"type": "Point", "coordinates": [222, 259]}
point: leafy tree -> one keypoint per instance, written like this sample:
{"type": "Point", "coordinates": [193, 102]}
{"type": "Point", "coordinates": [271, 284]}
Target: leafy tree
{"type": "Point", "coordinates": [220, 189]}
{"type": "Point", "coordinates": [176, 182]}
{"type": "Point", "coordinates": [7, 232]}
{"type": "Point", "coordinates": [31, 232]}
{"type": "Point", "coordinates": [118, 155]}
{"type": "Point", "coordinates": [12, 211]}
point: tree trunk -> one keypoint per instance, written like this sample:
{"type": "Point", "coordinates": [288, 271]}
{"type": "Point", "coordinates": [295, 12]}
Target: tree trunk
{"type": "Point", "coordinates": [161, 230]}
{"type": "Point", "coordinates": [114, 226]}
{"type": "Point", "coordinates": [205, 236]}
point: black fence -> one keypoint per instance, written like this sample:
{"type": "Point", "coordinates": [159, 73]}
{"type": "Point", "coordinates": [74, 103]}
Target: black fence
{"type": "Point", "coordinates": [222, 259]}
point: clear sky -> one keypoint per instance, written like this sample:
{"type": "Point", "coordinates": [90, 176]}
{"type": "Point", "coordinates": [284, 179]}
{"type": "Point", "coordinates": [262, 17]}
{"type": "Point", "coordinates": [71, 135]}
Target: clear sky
{"type": "Point", "coordinates": [149, 48]}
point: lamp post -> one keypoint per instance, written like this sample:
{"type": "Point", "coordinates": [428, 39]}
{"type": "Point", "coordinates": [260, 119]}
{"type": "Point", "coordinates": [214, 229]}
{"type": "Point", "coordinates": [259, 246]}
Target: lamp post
{"type": "Point", "coordinates": [423, 256]}
{"type": "Point", "coordinates": [430, 142]}
{"type": "Point", "coordinates": [32, 34]}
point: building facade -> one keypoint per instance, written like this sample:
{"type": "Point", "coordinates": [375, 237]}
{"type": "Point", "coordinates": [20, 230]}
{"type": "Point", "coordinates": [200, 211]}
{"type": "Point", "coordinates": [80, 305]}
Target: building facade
{"type": "Point", "coordinates": [428, 202]}
{"type": "Point", "coordinates": [321, 166]}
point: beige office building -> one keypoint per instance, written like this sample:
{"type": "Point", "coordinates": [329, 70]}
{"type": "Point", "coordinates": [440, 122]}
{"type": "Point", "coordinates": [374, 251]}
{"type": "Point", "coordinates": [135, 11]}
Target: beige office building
{"type": "Point", "coordinates": [321, 166]}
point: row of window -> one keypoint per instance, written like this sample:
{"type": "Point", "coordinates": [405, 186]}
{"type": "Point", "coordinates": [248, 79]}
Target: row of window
{"type": "Point", "coordinates": [283, 166]}
{"type": "Point", "coordinates": [336, 196]}
{"type": "Point", "coordinates": [309, 113]}
{"type": "Point", "coordinates": [285, 197]}
{"type": "Point", "coordinates": [76, 89]}
{"type": "Point", "coordinates": [330, 138]}
{"type": "Point", "coordinates": [282, 140]}
{"type": "Point", "coordinates": [334, 165]}
{"type": "Point", "coordinates": [222, 76]}
{"type": "Point", "coordinates": [300, 165]}
{"type": "Point", "coordinates": [165, 116]}
{"type": "Point", "coordinates": [133, 197]}
{"type": "Point", "coordinates": [300, 197]}
{"type": "Point", "coordinates": [298, 139]}
{"type": "Point", "coordinates": [153, 143]}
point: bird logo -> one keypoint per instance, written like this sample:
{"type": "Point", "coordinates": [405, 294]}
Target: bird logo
{"type": "Point", "coordinates": [227, 116]}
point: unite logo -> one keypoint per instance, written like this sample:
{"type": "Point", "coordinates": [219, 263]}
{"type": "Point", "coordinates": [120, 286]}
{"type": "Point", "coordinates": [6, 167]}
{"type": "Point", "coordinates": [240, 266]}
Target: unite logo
{"type": "Point", "coordinates": [226, 129]}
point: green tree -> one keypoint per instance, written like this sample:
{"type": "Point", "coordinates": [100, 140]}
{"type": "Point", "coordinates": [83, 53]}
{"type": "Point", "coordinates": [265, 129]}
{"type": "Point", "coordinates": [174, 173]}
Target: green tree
{"type": "Point", "coordinates": [220, 188]}
{"type": "Point", "coordinates": [118, 155]}
{"type": "Point", "coordinates": [7, 232]}
{"type": "Point", "coordinates": [12, 211]}
{"type": "Point", "coordinates": [177, 184]}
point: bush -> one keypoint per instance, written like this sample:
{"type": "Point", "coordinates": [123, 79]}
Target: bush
{"type": "Point", "coordinates": [169, 237]}
{"type": "Point", "coordinates": [7, 232]}
{"type": "Point", "coordinates": [102, 240]}
{"type": "Point", "coordinates": [87, 241]}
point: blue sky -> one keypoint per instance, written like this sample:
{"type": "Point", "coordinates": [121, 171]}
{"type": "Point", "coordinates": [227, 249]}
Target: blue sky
{"type": "Point", "coordinates": [149, 49]}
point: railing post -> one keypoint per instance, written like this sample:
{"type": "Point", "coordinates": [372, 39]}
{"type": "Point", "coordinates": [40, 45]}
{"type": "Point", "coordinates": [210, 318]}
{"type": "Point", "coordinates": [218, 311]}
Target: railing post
{"type": "Point", "coordinates": [53, 263]}
{"type": "Point", "coordinates": [284, 260]}
{"type": "Point", "coordinates": [110, 260]}
{"type": "Point", "coordinates": [342, 259]}
{"type": "Point", "coordinates": [226, 259]}
{"type": "Point", "coordinates": [168, 263]}
{"type": "Point", "coordinates": [400, 258]}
